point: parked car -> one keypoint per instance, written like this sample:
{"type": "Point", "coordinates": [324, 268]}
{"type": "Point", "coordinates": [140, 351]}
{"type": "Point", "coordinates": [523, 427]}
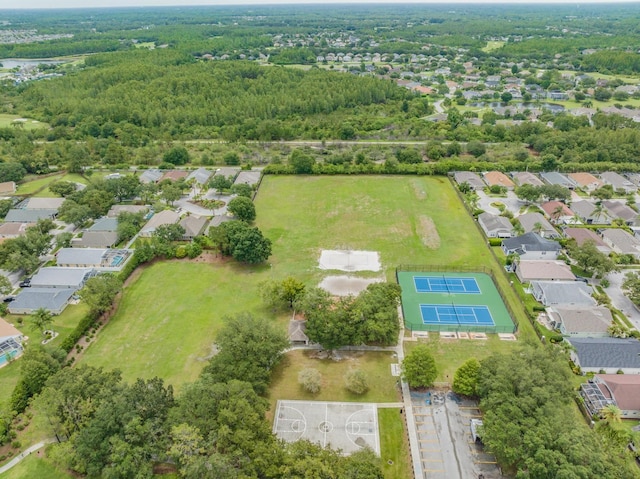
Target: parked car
{"type": "Point", "coordinates": [8, 299]}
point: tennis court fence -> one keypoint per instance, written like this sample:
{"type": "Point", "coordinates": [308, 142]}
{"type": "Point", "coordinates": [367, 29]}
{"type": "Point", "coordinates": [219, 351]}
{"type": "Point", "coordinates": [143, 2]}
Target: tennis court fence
{"type": "Point", "coordinates": [444, 268]}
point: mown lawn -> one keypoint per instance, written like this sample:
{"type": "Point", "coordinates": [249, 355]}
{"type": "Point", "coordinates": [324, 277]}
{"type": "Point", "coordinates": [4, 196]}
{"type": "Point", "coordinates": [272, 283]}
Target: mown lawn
{"type": "Point", "coordinates": [167, 320]}
{"type": "Point", "coordinates": [34, 466]}
{"type": "Point", "coordinates": [393, 215]}
{"type": "Point", "coordinates": [394, 447]}
{"type": "Point", "coordinates": [375, 365]}
{"type": "Point", "coordinates": [74, 177]}
{"type": "Point", "coordinates": [34, 184]}
{"type": "Point", "coordinates": [31, 124]}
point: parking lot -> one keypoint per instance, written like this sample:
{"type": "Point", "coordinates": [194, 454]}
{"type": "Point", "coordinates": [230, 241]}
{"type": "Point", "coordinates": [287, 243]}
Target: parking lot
{"type": "Point", "coordinates": [447, 450]}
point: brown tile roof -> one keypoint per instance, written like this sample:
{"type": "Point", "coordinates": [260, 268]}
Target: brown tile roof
{"type": "Point", "coordinates": [12, 229]}
{"type": "Point", "coordinates": [7, 187]}
{"type": "Point", "coordinates": [625, 389]}
{"type": "Point", "coordinates": [7, 330]}
{"type": "Point", "coordinates": [581, 235]}
{"type": "Point", "coordinates": [174, 175]}
{"type": "Point", "coordinates": [552, 270]}
{"type": "Point", "coordinates": [550, 207]}
{"type": "Point", "coordinates": [498, 178]}
{"type": "Point", "coordinates": [585, 179]}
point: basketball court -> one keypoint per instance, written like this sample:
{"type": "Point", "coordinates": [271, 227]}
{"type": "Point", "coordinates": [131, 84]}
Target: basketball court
{"type": "Point", "coordinates": [348, 427]}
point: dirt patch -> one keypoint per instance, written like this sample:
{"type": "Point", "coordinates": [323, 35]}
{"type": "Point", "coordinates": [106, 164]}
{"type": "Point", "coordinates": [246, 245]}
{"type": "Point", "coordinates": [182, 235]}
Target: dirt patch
{"type": "Point", "coordinates": [428, 232]}
{"type": "Point", "coordinates": [419, 190]}
{"type": "Point", "coordinates": [346, 285]}
{"type": "Point", "coordinates": [349, 260]}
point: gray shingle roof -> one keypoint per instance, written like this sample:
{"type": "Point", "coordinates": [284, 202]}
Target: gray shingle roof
{"type": "Point", "coordinates": [529, 220]}
{"type": "Point", "coordinates": [201, 175]}
{"type": "Point", "coordinates": [585, 319]}
{"type": "Point", "coordinates": [31, 299]}
{"type": "Point", "coordinates": [607, 352]}
{"type": "Point", "coordinates": [473, 179]}
{"type": "Point", "coordinates": [29, 216]}
{"type": "Point", "coordinates": [97, 239]}
{"type": "Point", "coordinates": [555, 178]}
{"type": "Point", "coordinates": [492, 223]}
{"type": "Point", "coordinates": [530, 242]}
{"type": "Point", "coordinates": [81, 256]}
{"type": "Point", "coordinates": [105, 224]}
{"type": "Point", "coordinates": [151, 176]}
{"type": "Point", "coordinates": [55, 276]}
{"type": "Point", "coordinates": [248, 178]}
{"type": "Point", "coordinates": [563, 292]}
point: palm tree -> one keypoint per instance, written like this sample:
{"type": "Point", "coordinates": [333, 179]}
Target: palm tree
{"type": "Point", "coordinates": [537, 227]}
{"type": "Point", "coordinates": [41, 319]}
{"type": "Point", "coordinates": [611, 414]}
{"type": "Point", "coordinates": [557, 213]}
{"type": "Point", "coordinates": [518, 229]}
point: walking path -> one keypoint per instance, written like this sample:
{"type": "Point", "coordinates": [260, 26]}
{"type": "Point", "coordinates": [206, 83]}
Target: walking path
{"type": "Point", "coordinates": [13, 462]}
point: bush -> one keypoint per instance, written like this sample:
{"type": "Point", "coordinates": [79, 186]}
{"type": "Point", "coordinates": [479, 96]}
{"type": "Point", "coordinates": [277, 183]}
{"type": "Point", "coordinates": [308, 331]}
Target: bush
{"type": "Point", "coordinates": [16, 444]}
{"type": "Point", "coordinates": [310, 379]}
{"type": "Point", "coordinates": [495, 241]}
{"type": "Point", "coordinates": [356, 382]}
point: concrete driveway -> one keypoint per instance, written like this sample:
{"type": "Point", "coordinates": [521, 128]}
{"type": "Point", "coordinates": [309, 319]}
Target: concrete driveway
{"type": "Point", "coordinates": [619, 300]}
{"type": "Point", "coordinates": [511, 202]}
{"type": "Point", "coordinates": [185, 204]}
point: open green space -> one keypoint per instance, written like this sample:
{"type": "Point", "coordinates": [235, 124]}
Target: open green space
{"type": "Point", "coordinates": [375, 365]}
{"type": "Point", "coordinates": [449, 354]}
{"type": "Point", "coordinates": [167, 320]}
{"type": "Point", "coordinates": [20, 122]}
{"type": "Point", "coordinates": [9, 376]}
{"type": "Point", "coordinates": [394, 448]}
{"type": "Point", "coordinates": [74, 177]}
{"type": "Point", "coordinates": [34, 184]}
{"type": "Point", "coordinates": [492, 45]}
{"type": "Point", "coordinates": [37, 467]}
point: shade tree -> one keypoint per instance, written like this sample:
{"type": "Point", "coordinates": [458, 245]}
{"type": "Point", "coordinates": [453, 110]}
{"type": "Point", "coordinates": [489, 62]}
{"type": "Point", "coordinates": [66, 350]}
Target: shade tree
{"type": "Point", "coordinates": [419, 367]}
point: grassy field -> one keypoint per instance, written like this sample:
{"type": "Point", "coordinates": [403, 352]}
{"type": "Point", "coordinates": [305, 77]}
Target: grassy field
{"type": "Point", "coordinates": [375, 365]}
{"type": "Point", "coordinates": [46, 192]}
{"type": "Point", "coordinates": [35, 466]}
{"type": "Point", "coordinates": [406, 219]}
{"type": "Point", "coordinates": [167, 321]}
{"type": "Point", "coordinates": [492, 45]}
{"type": "Point", "coordinates": [34, 184]}
{"type": "Point", "coordinates": [168, 318]}
{"type": "Point", "coordinates": [394, 446]}
{"type": "Point", "coordinates": [30, 124]}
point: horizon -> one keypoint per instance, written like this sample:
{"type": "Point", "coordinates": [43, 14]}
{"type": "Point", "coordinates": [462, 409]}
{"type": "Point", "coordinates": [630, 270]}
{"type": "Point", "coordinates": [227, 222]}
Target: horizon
{"type": "Point", "coordinates": [106, 4]}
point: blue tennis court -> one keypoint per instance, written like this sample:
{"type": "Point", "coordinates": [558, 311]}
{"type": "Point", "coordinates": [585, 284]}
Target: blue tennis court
{"type": "Point", "coordinates": [452, 314]}
{"type": "Point", "coordinates": [446, 284]}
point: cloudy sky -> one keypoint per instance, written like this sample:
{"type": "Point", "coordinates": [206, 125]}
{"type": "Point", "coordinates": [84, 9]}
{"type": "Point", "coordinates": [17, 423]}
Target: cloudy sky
{"type": "Point", "coordinates": [7, 4]}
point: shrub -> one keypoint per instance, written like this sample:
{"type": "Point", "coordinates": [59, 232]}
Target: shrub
{"type": "Point", "coordinates": [356, 382]}
{"type": "Point", "coordinates": [310, 379]}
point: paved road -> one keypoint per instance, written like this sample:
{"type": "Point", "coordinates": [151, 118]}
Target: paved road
{"type": "Point", "coordinates": [24, 454]}
{"type": "Point", "coordinates": [619, 300]}
{"type": "Point", "coordinates": [511, 202]}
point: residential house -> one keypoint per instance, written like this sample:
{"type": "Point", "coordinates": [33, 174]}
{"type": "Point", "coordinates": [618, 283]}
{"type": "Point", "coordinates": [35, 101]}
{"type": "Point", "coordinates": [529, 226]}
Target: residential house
{"type": "Point", "coordinates": [558, 212]}
{"type": "Point", "coordinates": [227, 171]}
{"type": "Point", "coordinates": [497, 178]}
{"type": "Point", "coordinates": [10, 342]}
{"type": "Point", "coordinates": [80, 258]}
{"type": "Point", "coordinates": [7, 188]}
{"type": "Point", "coordinates": [59, 277]}
{"type": "Point", "coordinates": [535, 222]}
{"type": "Point", "coordinates": [166, 217]}
{"type": "Point", "coordinates": [526, 178]}
{"type": "Point", "coordinates": [43, 203]}
{"type": "Point", "coordinates": [29, 216]}
{"type": "Point", "coordinates": [581, 321]}
{"type": "Point", "coordinates": [193, 226]}
{"type": "Point", "coordinates": [621, 390]}
{"type": "Point", "coordinates": [551, 293]}
{"type": "Point", "coordinates": [31, 299]}
{"type": "Point", "coordinates": [495, 226]}
{"type": "Point", "coordinates": [555, 178]}
{"type": "Point", "coordinates": [539, 270]}
{"type": "Point", "coordinates": [634, 178]}
{"type": "Point", "coordinates": [618, 181]}
{"type": "Point", "coordinates": [250, 178]}
{"type": "Point", "coordinates": [473, 179]}
{"type": "Point", "coordinates": [621, 242]}
{"type": "Point", "coordinates": [174, 175]}
{"type": "Point", "coordinates": [104, 224]}
{"type": "Point", "coordinates": [582, 235]}
{"type": "Point", "coordinates": [96, 239]}
{"type": "Point", "coordinates": [531, 246]}
{"type": "Point", "coordinates": [606, 354]}
{"type": "Point", "coordinates": [151, 176]}
{"type": "Point", "coordinates": [117, 209]}
{"type": "Point", "coordinates": [589, 213]}
{"type": "Point", "coordinates": [13, 230]}
{"type": "Point", "coordinates": [200, 176]}
{"type": "Point", "coordinates": [586, 181]}
{"type": "Point", "coordinates": [557, 95]}
{"type": "Point", "coordinates": [618, 210]}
